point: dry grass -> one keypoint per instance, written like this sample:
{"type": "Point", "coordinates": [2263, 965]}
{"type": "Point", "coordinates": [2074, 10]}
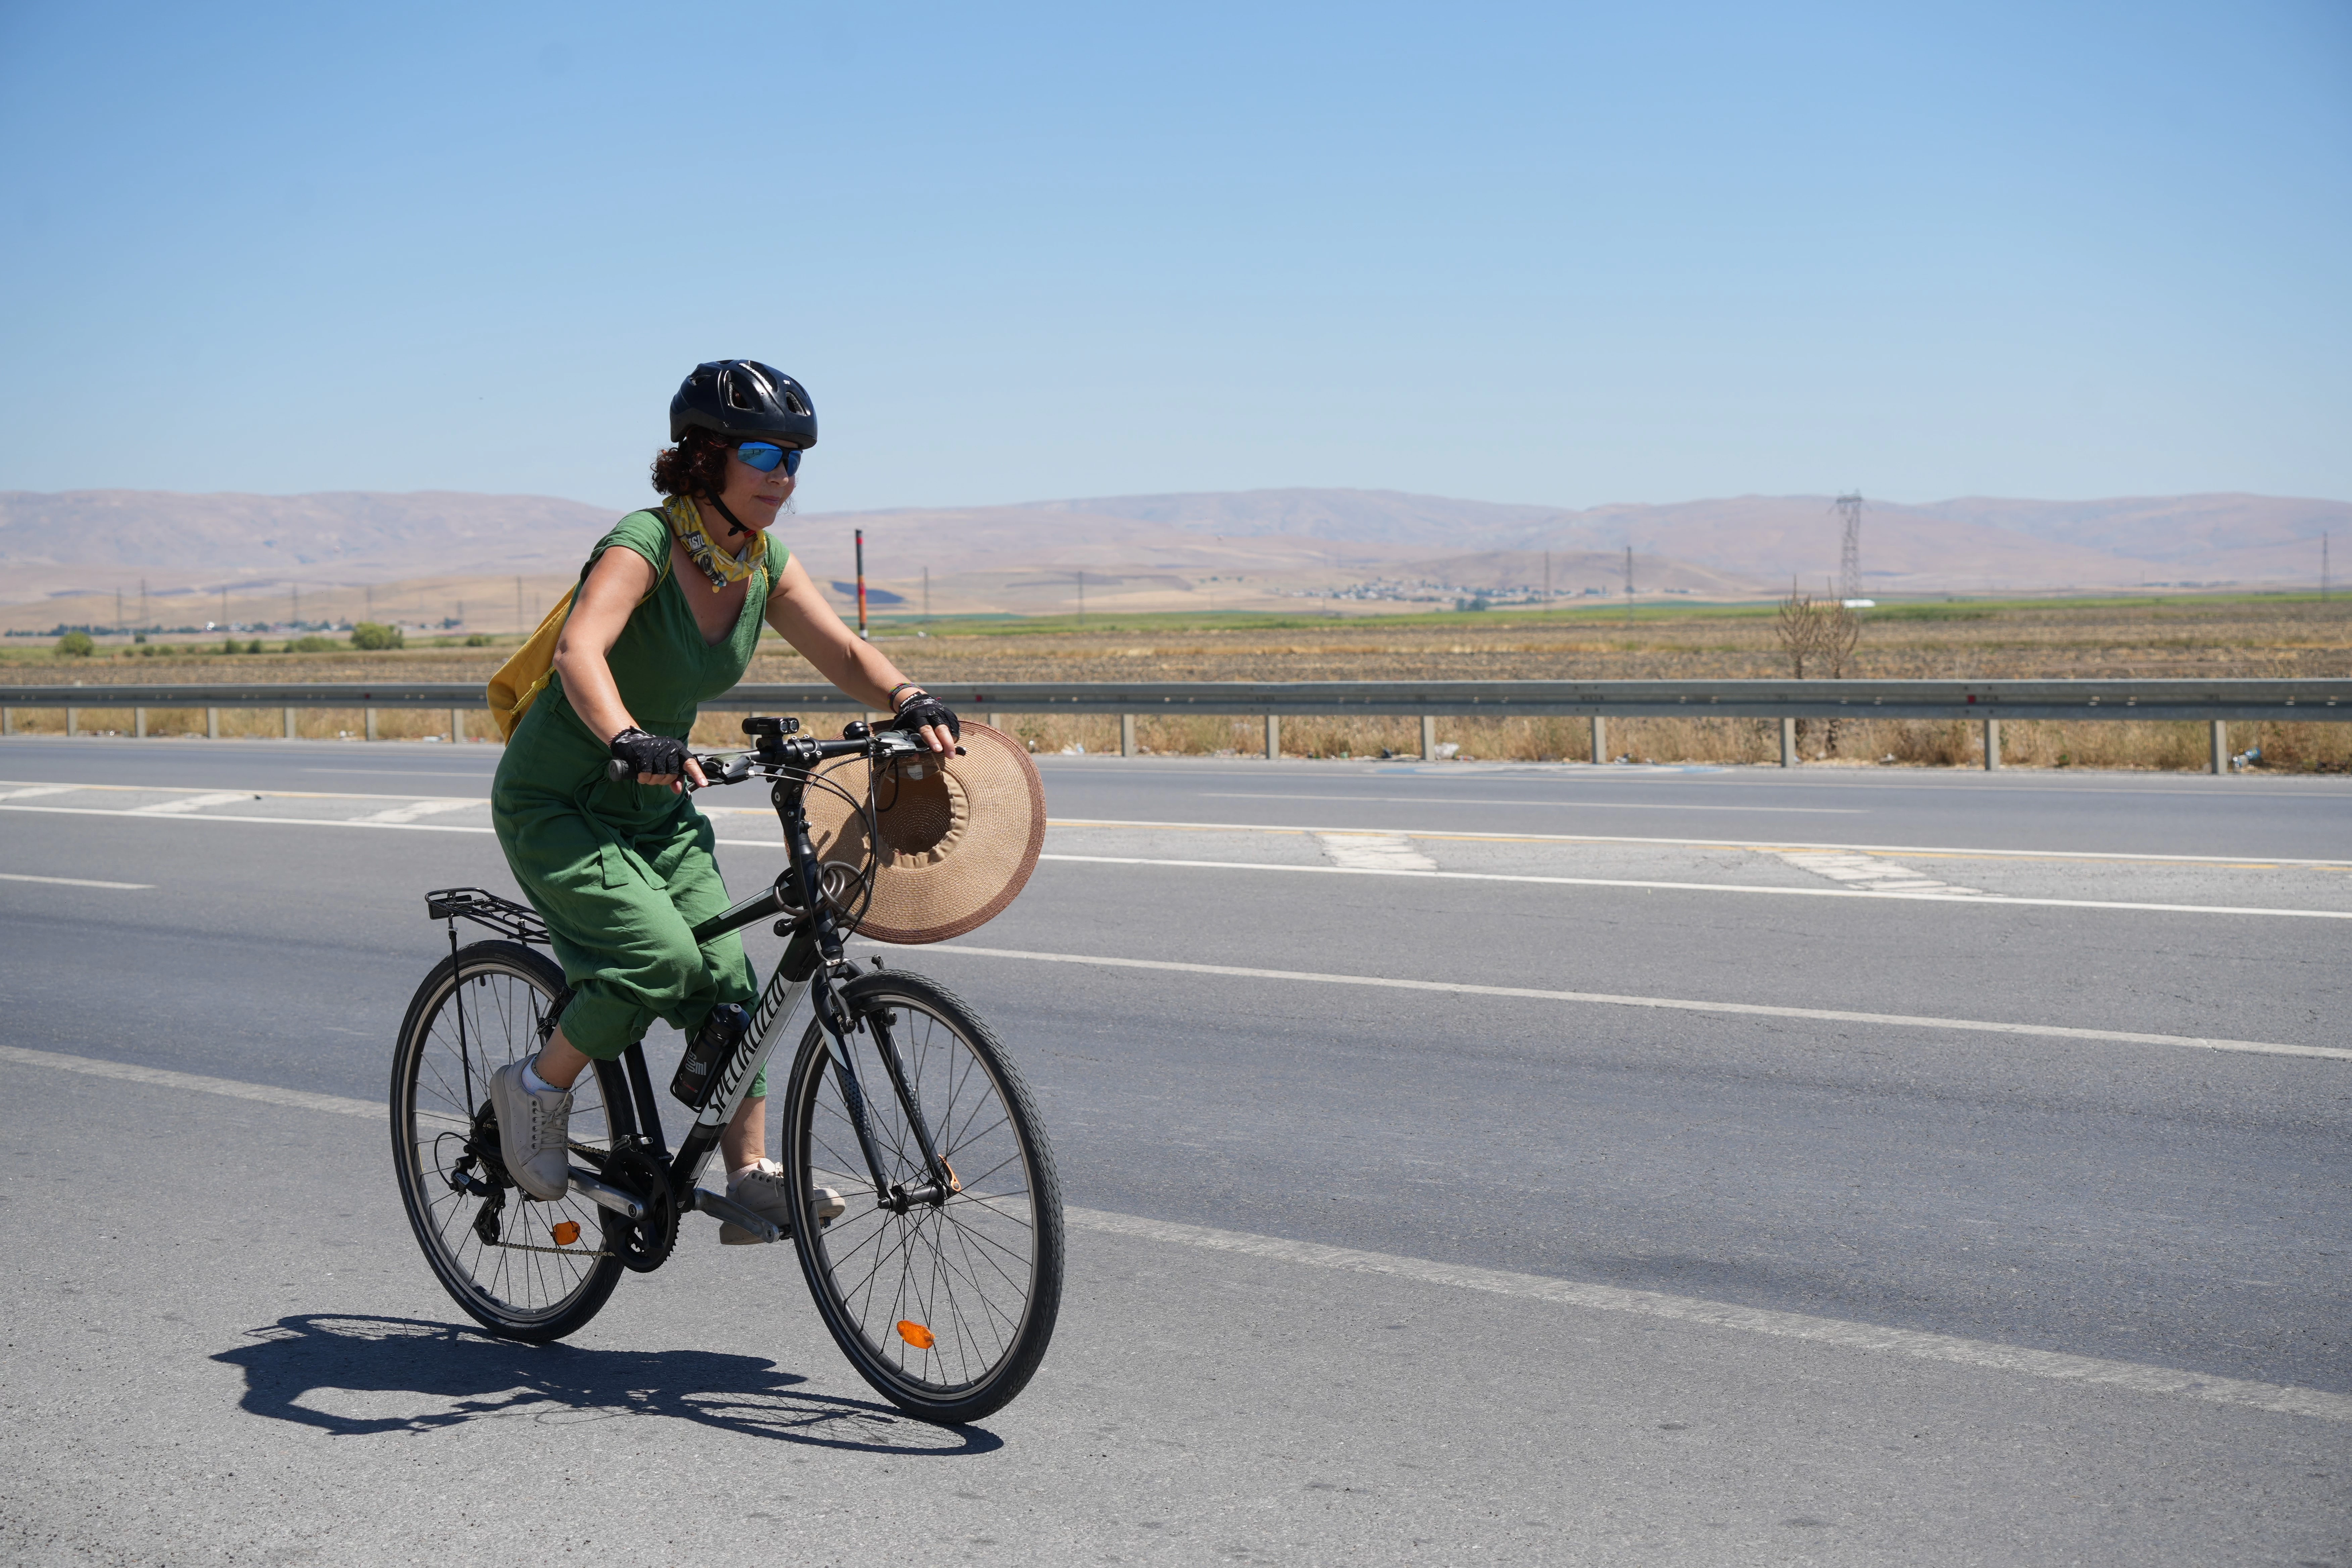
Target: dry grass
{"type": "Point", "coordinates": [2185, 637]}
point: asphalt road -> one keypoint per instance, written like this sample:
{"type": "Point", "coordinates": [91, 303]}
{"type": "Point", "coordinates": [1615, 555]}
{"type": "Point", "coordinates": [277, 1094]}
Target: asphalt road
{"type": "Point", "coordinates": [222, 1345]}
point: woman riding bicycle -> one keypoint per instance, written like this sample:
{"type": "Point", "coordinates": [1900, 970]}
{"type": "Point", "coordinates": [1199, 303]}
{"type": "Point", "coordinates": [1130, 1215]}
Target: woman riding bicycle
{"type": "Point", "coordinates": [666, 616]}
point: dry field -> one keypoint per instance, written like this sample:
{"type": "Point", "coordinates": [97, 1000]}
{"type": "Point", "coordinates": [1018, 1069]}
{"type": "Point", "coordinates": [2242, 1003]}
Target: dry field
{"type": "Point", "coordinates": [2146, 638]}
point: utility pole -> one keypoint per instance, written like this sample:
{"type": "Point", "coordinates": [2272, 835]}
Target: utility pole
{"type": "Point", "coordinates": [296, 624]}
{"type": "Point", "coordinates": [224, 609]}
{"type": "Point", "coordinates": [118, 609]}
{"type": "Point", "coordinates": [1849, 508]}
{"type": "Point", "coordinates": [367, 597]}
{"type": "Point", "coordinates": [1082, 598]}
{"type": "Point", "coordinates": [1629, 586]}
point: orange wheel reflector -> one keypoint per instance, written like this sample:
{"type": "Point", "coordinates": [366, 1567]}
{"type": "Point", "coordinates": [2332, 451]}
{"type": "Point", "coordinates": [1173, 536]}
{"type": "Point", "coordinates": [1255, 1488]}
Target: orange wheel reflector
{"type": "Point", "coordinates": [567, 1233]}
{"type": "Point", "coordinates": [915, 1334]}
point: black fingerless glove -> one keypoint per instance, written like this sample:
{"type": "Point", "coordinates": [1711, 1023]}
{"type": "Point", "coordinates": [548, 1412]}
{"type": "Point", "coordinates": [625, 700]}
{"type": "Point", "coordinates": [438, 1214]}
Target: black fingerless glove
{"type": "Point", "coordinates": [655, 754]}
{"type": "Point", "coordinates": [922, 708]}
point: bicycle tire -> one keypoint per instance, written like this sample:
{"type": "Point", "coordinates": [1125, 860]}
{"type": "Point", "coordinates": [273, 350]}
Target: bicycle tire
{"type": "Point", "coordinates": [994, 1248]}
{"type": "Point", "coordinates": [532, 1290]}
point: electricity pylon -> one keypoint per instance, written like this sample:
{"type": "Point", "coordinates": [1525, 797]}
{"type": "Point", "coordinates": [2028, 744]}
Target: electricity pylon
{"type": "Point", "coordinates": [1849, 507]}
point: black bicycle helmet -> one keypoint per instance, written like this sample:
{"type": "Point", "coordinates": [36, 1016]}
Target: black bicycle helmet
{"type": "Point", "coordinates": [745, 399]}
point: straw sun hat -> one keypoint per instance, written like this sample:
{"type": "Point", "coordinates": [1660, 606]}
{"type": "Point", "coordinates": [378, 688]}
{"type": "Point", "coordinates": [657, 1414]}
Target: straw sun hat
{"type": "Point", "coordinates": [959, 836]}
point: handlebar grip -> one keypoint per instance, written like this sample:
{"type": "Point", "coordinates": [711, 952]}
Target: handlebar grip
{"type": "Point", "coordinates": [618, 771]}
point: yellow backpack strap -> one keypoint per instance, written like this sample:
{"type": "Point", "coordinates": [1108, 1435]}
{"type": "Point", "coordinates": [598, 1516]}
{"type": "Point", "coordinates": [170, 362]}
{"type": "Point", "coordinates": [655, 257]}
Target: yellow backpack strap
{"type": "Point", "coordinates": [523, 677]}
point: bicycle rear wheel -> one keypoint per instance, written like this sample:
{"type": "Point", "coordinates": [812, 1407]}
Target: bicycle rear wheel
{"type": "Point", "coordinates": [946, 1310]}
{"type": "Point", "coordinates": [524, 1269]}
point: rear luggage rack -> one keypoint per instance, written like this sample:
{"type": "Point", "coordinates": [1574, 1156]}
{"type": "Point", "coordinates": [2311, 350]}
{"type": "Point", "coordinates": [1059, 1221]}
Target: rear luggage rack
{"type": "Point", "coordinates": [483, 907]}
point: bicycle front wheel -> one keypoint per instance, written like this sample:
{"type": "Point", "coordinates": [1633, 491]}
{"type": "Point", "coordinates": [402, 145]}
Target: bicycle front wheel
{"type": "Point", "coordinates": [524, 1269]}
{"type": "Point", "coordinates": [947, 1307]}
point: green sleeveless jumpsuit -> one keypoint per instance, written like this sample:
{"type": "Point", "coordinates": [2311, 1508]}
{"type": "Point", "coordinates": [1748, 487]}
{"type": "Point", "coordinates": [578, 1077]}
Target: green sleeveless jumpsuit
{"type": "Point", "coordinates": [621, 872]}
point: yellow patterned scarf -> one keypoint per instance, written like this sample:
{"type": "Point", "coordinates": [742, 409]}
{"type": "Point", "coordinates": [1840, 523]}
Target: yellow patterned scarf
{"type": "Point", "coordinates": [722, 569]}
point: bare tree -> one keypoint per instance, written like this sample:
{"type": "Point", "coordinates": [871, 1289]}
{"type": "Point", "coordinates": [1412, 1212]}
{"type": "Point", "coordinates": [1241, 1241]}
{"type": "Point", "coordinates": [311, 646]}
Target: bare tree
{"type": "Point", "coordinates": [1826, 631]}
{"type": "Point", "coordinates": [1798, 626]}
{"type": "Point", "coordinates": [1841, 633]}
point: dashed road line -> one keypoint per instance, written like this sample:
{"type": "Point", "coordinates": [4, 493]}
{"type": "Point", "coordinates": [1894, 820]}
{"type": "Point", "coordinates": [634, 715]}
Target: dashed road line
{"type": "Point", "coordinates": [75, 882]}
{"type": "Point", "coordinates": [2057, 1367]}
{"type": "Point", "coordinates": [1747, 1009]}
{"type": "Point", "coordinates": [192, 803]}
{"type": "Point", "coordinates": [2129, 1377]}
{"type": "Point", "coordinates": [1869, 872]}
{"type": "Point", "coordinates": [2247, 862]}
{"type": "Point", "coordinates": [1955, 896]}
{"type": "Point", "coordinates": [392, 816]}
{"type": "Point", "coordinates": [1374, 852]}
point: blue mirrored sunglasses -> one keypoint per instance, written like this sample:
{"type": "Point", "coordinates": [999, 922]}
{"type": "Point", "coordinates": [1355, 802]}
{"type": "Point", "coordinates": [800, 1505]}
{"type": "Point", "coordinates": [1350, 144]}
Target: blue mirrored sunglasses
{"type": "Point", "coordinates": [765, 455]}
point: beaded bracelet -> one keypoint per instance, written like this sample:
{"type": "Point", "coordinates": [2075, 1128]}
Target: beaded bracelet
{"type": "Point", "coordinates": [891, 695]}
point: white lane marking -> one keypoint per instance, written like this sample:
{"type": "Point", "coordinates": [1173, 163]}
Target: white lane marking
{"type": "Point", "coordinates": [1374, 852]}
{"type": "Point", "coordinates": [1748, 1009]}
{"type": "Point", "coordinates": [261, 821]}
{"type": "Point", "coordinates": [39, 789]}
{"type": "Point", "coordinates": [259, 794]}
{"type": "Point", "coordinates": [1565, 804]}
{"type": "Point", "coordinates": [1979, 901]}
{"type": "Point", "coordinates": [476, 775]}
{"type": "Point", "coordinates": [1868, 871]}
{"type": "Point", "coordinates": [1983, 900]}
{"type": "Point", "coordinates": [189, 802]}
{"type": "Point", "coordinates": [2130, 1376]}
{"type": "Point", "coordinates": [2262, 862]}
{"type": "Point", "coordinates": [164, 1077]}
{"type": "Point", "coordinates": [75, 882]}
{"type": "Point", "coordinates": [392, 817]}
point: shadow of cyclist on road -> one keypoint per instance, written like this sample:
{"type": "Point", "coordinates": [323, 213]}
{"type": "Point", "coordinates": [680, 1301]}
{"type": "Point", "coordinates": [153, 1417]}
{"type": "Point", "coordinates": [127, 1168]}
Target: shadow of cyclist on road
{"type": "Point", "coordinates": [352, 1376]}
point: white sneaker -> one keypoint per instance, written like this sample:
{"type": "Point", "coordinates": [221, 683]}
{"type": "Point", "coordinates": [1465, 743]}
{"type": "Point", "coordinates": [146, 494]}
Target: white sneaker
{"type": "Point", "coordinates": [534, 1131]}
{"type": "Point", "coordinates": [762, 1190]}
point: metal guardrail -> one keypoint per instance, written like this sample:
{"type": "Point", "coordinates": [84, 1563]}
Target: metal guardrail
{"type": "Point", "coordinates": [2217, 702]}
{"type": "Point", "coordinates": [2234, 700]}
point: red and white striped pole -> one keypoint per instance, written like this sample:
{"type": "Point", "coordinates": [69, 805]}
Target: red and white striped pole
{"type": "Point", "coordinates": [861, 583]}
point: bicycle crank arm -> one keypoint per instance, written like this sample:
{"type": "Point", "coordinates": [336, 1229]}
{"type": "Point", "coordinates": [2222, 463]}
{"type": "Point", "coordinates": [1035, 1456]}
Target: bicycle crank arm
{"type": "Point", "coordinates": [604, 1195]}
{"type": "Point", "coordinates": [726, 1208]}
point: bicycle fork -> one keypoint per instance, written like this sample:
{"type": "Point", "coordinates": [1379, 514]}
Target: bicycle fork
{"type": "Point", "coordinates": [896, 1196]}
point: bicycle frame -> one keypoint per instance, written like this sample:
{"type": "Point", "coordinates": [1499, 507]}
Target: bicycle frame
{"type": "Point", "coordinates": [812, 966]}
{"type": "Point", "coordinates": [813, 962]}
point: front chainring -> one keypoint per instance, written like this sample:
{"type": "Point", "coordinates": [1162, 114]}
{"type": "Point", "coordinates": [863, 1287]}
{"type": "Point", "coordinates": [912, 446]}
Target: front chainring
{"type": "Point", "coordinates": [642, 1244]}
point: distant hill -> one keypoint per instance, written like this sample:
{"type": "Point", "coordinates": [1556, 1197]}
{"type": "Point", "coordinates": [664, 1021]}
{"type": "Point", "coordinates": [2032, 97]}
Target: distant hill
{"type": "Point", "coordinates": [64, 556]}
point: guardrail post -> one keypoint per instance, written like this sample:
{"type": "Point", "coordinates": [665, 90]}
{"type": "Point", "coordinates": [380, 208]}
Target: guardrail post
{"type": "Point", "coordinates": [456, 726]}
{"type": "Point", "coordinates": [289, 725]}
{"type": "Point", "coordinates": [1274, 737]}
{"type": "Point", "coordinates": [1127, 734]}
{"type": "Point", "coordinates": [369, 714]}
{"type": "Point", "coordinates": [1600, 739]}
{"type": "Point", "coordinates": [1992, 745]}
{"type": "Point", "coordinates": [73, 720]}
{"type": "Point", "coordinates": [2220, 745]}
{"type": "Point", "coordinates": [1429, 737]}
{"type": "Point", "coordinates": [7, 721]}
{"type": "Point", "coordinates": [139, 724]}
{"type": "Point", "coordinates": [1788, 742]}
{"type": "Point", "coordinates": [212, 723]}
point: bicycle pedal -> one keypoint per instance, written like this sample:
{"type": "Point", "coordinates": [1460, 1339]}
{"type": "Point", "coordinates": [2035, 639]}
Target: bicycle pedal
{"type": "Point", "coordinates": [728, 1212]}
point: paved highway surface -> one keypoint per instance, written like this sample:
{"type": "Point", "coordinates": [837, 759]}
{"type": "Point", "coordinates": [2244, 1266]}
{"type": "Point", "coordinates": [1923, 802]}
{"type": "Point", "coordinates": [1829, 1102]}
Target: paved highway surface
{"type": "Point", "coordinates": [1842, 1166]}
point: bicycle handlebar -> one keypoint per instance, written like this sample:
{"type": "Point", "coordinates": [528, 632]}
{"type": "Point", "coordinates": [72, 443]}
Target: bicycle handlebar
{"type": "Point", "coordinates": [718, 770]}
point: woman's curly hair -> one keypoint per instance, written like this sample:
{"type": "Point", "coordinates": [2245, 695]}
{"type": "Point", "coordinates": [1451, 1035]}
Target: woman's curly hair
{"type": "Point", "coordinates": [696, 465]}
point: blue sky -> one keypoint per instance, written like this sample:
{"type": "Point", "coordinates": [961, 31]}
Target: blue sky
{"type": "Point", "coordinates": [1555, 254]}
